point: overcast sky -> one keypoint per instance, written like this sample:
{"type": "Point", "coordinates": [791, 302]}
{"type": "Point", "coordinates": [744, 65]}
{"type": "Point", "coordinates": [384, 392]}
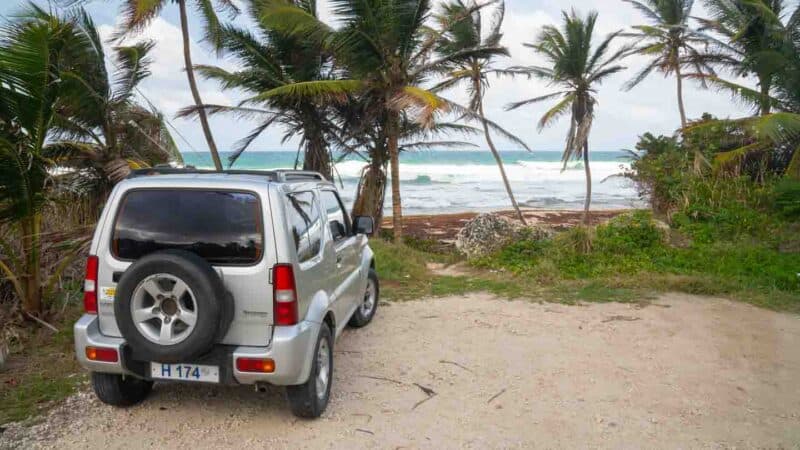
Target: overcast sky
{"type": "Point", "coordinates": [621, 116]}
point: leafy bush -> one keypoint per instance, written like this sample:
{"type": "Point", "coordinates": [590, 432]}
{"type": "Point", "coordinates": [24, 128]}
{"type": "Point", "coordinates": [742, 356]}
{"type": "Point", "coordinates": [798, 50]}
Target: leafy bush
{"type": "Point", "coordinates": [629, 233]}
{"type": "Point", "coordinates": [661, 171]}
{"type": "Point", "coordinates": [787, 198]}
{"type": "Point", "coordinates": [724, 209]}
{"type": "Point", "coordinates": [578, 240]}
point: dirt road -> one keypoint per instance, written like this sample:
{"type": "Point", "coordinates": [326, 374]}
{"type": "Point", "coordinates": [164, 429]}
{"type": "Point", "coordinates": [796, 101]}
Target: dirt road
{"type": "Point", "coordinates": [687, 372]}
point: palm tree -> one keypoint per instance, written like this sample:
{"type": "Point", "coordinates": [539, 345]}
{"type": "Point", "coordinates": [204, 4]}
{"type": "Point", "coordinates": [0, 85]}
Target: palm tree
{"type": "Point", "coordinates": [775, 133]}
{"type": "Point", "coordinates": [365, 138]}
{"type": "Point", "coordinates": [754, 42]}
{"type": "Point", "coordinates": [577, 68]}
{"type": "Point", "coordinates": [462, 31]}
{"type": "Point", "coordinates": [270, 60]}
{"type": "Point", "coordinates": [35, 50]}
{"type": "Point", "coordinates": [101, 127]}
{"type": "Point", "coordinates": [669, 42]}
{"type": "Point", "coordinates": [137, 14]}
{"type": "Point", "coordinates": [384, 56]}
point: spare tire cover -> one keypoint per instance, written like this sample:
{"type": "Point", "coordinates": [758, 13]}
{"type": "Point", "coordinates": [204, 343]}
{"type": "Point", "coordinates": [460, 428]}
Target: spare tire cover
{"type": "Point", "coordinates": [171, 306]}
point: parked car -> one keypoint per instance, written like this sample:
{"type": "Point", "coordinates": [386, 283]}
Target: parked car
{"type": "Point", "coordinates": [237, 277]}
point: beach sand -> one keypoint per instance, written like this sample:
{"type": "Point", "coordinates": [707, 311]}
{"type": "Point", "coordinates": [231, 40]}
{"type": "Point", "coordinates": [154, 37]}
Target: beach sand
{"type": "Point", "coordinates": [477, 371]}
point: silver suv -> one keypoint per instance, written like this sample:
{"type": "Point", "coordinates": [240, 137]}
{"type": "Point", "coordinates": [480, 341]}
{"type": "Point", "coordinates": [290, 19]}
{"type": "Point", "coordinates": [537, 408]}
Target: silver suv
{"type": "Point", "coordinates": [237, 277]}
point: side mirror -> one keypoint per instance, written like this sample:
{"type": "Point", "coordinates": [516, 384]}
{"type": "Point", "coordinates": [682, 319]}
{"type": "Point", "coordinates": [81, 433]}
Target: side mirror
{"type": "Point", "coordinates": [364, 225]}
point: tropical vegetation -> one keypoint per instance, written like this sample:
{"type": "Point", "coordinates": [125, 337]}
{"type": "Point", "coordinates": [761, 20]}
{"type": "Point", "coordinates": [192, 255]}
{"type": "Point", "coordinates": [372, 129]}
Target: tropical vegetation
{"type": "Point", "coordinates": [137, 15]}
{"type": "Point", "coordinates": [268, 61]}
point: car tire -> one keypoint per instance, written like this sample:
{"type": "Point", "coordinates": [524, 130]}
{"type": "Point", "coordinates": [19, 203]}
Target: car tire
{"type": "Point", "coordinates": [213, 306]}
{"type": "Point", "coordinates": [369, 305]}
{"type": "Point", "coordinates": [309, 400]}
{"type": "Point", "coordinates": [116, 390]}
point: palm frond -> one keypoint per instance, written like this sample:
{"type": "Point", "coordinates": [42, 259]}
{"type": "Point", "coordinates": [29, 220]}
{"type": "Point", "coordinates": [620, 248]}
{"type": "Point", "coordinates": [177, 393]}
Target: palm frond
{"type": "Point", "coordinates": [531, 101]}
{"type": "Point", "coordinates": [470, 115]}
{"type": "Point", "coordinates": [554, 113]}
{"type": "Point", "coordinates": [133, 67]}
{"type": "Point", "coordinates": [327, 90]}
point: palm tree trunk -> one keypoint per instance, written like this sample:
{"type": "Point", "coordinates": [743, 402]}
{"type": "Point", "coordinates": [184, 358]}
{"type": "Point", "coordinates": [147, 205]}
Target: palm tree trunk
{"type": "Point", "coordinates": [31, 243]}
{"type": "Point", "coordinates": [371, 191]}
{"type": "Point", "coordinates": [681, 107]}
{"type": "Point", "coordinates": [316, 158]}
{"type": "Point", "coordinates": [394, 162]}
{"type": "Point", "coordinates": [499, 160]}
{"type": "Point", "coordinates": [588, 202]}
{"type": "Point", "coordinates": [765, 88]}
{"type": "Point", "coordinates": [187, 58]}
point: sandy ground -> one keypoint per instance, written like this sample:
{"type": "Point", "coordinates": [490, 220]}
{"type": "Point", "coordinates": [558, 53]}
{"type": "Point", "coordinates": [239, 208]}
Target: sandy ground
{"type": "Point", "coordinates": [687, 372]}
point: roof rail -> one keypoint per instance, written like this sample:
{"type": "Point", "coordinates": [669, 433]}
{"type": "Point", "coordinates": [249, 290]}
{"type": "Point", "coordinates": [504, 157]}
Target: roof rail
{"type": "Point", "coordinates": [298, 175]}
{"type": "Point", "coordinates": [282, 175]}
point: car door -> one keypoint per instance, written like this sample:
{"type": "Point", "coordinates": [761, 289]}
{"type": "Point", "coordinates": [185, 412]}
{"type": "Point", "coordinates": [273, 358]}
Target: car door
{"type": "Point", "coordinates": [345, 246]}
{"type": "Point", "coordinates": [307, 224]}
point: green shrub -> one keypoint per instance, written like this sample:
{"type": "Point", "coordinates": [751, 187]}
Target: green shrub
{"type": "Point", "coordinates": [629, 233]}
{"type": "Point", "coordinates": [787, 198]}
{"type": "Point", "coordinates": [724, 209]}
{"type": "Point", "coordinates": [578, 240]}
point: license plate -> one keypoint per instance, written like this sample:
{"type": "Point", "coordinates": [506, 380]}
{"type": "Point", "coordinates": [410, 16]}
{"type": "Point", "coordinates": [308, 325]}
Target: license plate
{"type": "Point", "coordinates": [185, 372]}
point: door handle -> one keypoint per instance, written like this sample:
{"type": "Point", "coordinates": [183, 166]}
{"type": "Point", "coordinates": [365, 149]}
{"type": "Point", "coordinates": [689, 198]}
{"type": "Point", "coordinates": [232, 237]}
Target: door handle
{"type": "Point", "coordinates": [338, 259]}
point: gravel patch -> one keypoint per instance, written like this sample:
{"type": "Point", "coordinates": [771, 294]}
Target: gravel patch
{"type": "Point", "coordinates": [478, 372]}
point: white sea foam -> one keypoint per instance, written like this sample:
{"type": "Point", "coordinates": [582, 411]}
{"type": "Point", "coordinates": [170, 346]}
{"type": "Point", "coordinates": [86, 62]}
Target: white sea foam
{"type": "Point", "coordinates": [447, 182]}
{"type": "Point", "coordinates": [523, 171]}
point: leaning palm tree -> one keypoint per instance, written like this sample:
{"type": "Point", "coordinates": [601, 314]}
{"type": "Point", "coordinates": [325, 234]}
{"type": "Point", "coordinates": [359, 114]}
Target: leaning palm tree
{"type": "Point", "coordinates": [753, 41]}
{"type": "Point", "coordinates": [35, 49]}
{"type": "Point", "coordinates": [669, 42]}
{"type": "Point", "coordinates": [462, 30]}
{"type": "Point", "coordinates": [269, 60]}
{"type": "Point", "coordinates": [384, 57]}
{"type": "Point", "coordinates": [577, 67]}
{"type": "Point", "coordinates": [137, 14]}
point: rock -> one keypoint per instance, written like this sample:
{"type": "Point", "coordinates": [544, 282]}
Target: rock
{"type": "Point", "coordinates": [488, 233]}
{"type": "Point", "coordinates": [485, 234]}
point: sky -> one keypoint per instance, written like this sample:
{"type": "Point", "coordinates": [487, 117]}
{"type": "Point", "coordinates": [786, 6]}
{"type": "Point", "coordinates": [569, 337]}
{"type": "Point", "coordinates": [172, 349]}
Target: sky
{"type": "Point", "coordinates": [620, 116]}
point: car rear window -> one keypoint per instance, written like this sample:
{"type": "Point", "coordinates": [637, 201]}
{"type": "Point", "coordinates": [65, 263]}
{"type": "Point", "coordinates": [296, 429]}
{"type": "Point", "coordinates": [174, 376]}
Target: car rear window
{"type": "Point", "coordinates": [224, 227]}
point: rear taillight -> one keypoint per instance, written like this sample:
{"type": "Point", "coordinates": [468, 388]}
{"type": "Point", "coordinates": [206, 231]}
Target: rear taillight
{"type": "Point", "coordinates": [90, 285]}
{"type": "Point", "coordinates": [284, 295]}
{"type": "Point", "coordinates": [102, 354]}
{"type": "Point", "coordinates": [255, 365]}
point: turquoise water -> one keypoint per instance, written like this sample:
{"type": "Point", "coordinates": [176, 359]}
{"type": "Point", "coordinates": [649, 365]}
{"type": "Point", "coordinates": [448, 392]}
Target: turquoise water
{"type": "Point", "coordinates": [456, 181]}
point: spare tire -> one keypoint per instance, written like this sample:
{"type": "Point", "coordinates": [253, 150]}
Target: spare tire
{"type": "Point", "coordinates": [171, 306]}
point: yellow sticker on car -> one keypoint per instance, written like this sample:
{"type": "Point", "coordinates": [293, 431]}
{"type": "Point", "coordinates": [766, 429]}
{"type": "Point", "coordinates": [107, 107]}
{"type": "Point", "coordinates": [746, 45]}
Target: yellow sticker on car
{"type": "Point", "coordinates": [108, 293]}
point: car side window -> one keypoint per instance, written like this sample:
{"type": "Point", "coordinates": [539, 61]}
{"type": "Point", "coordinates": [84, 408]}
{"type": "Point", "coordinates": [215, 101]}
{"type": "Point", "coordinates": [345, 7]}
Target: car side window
{"type": "Point", "coordinates": [337, 217]}
{"type": "Point", "coordinates": [305, 222]}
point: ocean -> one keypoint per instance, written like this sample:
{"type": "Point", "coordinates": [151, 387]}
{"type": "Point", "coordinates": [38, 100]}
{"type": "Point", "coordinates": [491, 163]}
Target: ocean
{"type": "Point", "coordinates": [451, 181]}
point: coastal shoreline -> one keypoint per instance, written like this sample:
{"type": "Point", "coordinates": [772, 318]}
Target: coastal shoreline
{"type": "Point", "coordinates": [444, 227]}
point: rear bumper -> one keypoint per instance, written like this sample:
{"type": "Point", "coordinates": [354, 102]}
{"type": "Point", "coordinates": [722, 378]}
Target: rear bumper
{"type": "Point", "coordinates": [291, 349]}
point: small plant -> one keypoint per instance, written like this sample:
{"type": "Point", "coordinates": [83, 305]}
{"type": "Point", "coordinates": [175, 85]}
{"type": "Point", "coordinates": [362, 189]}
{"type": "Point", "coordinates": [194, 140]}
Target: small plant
{"type": "Point", "coordinates": [629, 233]}
{"type": "Point", "coordinates": [578, 240]}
